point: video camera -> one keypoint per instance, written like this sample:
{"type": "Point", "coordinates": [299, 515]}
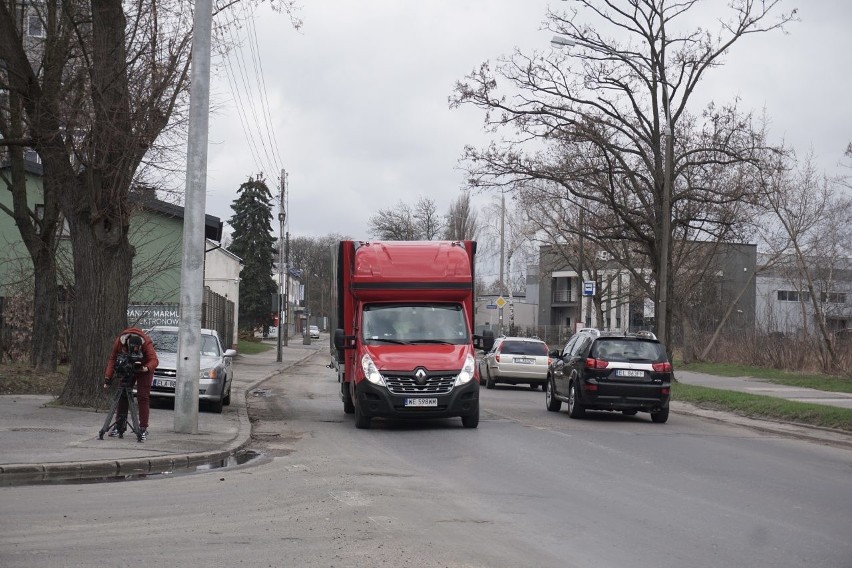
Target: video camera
{"type": "Point", "coordinates": [128, 363]}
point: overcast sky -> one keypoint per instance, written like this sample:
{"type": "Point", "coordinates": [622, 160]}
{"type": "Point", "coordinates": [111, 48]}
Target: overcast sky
{"type": "Point", "coordinates": [358, 112]}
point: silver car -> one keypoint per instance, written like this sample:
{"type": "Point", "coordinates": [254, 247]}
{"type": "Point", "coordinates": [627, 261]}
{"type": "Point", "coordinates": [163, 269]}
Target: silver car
{"type": "Point", "coordinates": [214, 384]}
{"type": "Point", "coordinates": [515, 360]}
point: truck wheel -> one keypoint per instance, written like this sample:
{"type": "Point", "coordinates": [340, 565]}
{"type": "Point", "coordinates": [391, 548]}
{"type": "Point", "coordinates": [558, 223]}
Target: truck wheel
{"type": "Point", "coordinates": [362, 420]}
{"type": "Point", "coordinates": [471, 421]}
{"type": "Point", "coordinates": [348, 405]}
{"type": "Point", "coordinates": [553, 403]}
{"type": "Point", "coordinates": [575, 407]}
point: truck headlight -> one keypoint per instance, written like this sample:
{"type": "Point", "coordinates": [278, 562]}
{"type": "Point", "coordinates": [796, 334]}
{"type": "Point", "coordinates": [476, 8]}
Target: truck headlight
{"type": "Point", "coordinates": [466, 374]}
{"type": "Point", "coordinates": [371, 372]}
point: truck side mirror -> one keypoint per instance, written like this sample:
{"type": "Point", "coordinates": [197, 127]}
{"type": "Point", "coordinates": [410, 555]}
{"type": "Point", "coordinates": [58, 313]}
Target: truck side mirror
{"type": "Point", "coordinates": [341, 341]}
{"type": "Point", "coordinates": [484, 341]}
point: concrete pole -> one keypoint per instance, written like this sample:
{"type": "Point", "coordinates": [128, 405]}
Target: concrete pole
{"type": "Point", "coordinates": [287, 288]}
{"type": "Point", "coordinates": [502, 252]}
{"type": "Point", "coordinates": [282, 215]}
{"type": "Point", "coordinates": [192, 268]}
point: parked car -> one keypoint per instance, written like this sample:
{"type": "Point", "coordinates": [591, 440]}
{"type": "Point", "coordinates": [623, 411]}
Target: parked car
{"type": "Point", "coordinates": [214, 385]}
{"type": "Point", "coordinates": [314, 331]}
{"type": "Point", "coordinates": [627, 372]}
{"type": "Point", "coordinates": [515, 360]}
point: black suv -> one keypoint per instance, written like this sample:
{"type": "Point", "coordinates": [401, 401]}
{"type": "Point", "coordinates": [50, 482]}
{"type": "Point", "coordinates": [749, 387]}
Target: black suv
{"type": "Point", "coordinates": [600, 370]}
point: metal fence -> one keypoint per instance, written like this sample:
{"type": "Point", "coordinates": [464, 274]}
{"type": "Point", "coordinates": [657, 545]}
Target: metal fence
{"type": "Point", "coordinates": [16, 325]}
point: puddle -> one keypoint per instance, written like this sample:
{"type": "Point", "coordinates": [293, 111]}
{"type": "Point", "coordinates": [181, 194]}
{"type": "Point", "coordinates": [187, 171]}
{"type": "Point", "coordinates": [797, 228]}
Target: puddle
{"type": "Point", "coordinates": [81, 477]}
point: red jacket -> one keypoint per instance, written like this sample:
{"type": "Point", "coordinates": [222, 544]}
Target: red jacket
{"type": "Point", "coordinates": [150, 355]}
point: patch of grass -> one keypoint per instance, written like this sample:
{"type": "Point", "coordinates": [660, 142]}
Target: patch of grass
{"type": "Point", "coordinates": [21, 379]}
{"type": "Point", "coordinates": [758, 406]}
{"type": "Point", "coordinates": [252, 347]}
{"type": "Point", "coordinates": [807, 380]}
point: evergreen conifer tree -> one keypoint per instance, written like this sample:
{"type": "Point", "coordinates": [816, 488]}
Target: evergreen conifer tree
{"type": "Point", "coordinates": [254, 244]}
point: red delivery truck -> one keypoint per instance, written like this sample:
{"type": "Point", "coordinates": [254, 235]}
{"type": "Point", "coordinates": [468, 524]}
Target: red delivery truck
{"type": "Point", "coordinates": [403, 342]}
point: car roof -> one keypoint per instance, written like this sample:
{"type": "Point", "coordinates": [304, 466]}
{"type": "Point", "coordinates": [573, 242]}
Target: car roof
{"type": "Point", "coordinates": [618, 334]}
{"type": "Point", "coordinates": [533, 339]}
{"type": "Point", "coordinates": [174, 328]}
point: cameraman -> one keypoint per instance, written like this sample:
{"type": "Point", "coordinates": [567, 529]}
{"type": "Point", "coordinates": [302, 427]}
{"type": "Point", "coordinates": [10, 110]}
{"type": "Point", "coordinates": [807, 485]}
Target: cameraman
{"type": "Point", "coordinates": [135, 343]}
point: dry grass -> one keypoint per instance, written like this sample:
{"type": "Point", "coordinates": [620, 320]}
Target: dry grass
{"type": "Point", "coordinates": [21, 379]}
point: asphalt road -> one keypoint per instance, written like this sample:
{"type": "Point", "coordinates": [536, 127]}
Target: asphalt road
{"type": "Point", "coordinates": [527, 488]}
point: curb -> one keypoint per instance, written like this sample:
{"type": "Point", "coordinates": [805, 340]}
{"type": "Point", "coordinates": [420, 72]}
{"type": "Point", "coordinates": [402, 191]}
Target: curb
{"type": "Point", "coordinates": [827, 436]}
{"type": "Point", "coordinates": [156, 464]}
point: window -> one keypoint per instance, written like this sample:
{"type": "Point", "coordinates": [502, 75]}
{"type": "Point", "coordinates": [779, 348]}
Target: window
{"type": "Point", "coordinates": [35, 26]}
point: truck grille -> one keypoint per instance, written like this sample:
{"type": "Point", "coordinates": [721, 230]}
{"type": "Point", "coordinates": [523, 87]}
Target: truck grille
{"type": "Point", "coordinates": [407, 384]}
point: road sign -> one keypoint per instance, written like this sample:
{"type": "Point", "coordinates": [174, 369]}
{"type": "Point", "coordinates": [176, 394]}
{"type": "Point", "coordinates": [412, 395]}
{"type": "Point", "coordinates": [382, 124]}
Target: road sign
{"type": "Point", "coordinates": [500, 302]}
{"type": "Point", "coordinates": [589, 288]}
{"type": "Point", "coordinates": [491, 306]}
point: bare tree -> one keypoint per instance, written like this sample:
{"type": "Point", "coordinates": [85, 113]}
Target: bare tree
{"type": "Point", "coordinates": [428, 221]}
{"type": "Point", "coordinates": [108, 78]}
{"type": "Point", "coordinates": [462, 221]}
{"type": "Point", "coordinates": [396, 224]}
{"type": "Point", "coordinates": [813, 220]}
{"type": "Point", "coordinates": [613, 121]}
{"type": "Point", "coordinates": [407, 223]}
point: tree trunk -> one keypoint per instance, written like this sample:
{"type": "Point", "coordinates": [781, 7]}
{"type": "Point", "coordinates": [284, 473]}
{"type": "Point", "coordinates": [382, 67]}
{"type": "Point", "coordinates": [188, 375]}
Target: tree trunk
{"type": "Point", "coordinates": [688, 347]}
{"type": "Point", "coordinates": [100, 305]}
{"type": "Point", "coordinates": [45, 313]}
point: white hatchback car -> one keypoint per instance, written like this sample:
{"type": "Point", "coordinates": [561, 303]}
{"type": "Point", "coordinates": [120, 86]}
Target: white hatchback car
{"type": "Point", "coordinates": [515, 360]}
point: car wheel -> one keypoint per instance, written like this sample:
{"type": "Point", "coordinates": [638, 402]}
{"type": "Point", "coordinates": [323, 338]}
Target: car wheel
{"type": "Point", "coordinates": [216, 406]}
{"type": "Point", "coordinates": [575, 407]}
{"type": "Point", "coordinates": [489, 382]}
{"type": "Point", "coordinates": [629, 412]}
{"type": "Point", "coordinates": [660, 416]}
{"type": "Point", "coordinates": [553, 403]}
{"type": "Point", "coordinates": [471, 421]}
{"type": "Point", "coordinates": [227, 400]}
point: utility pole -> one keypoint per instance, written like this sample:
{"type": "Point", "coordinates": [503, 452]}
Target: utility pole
{"type": "Point", "coordinates": [287, 289]}
{"type": "Point", "coordinates": [192, 267]}
{"type": "Point", "coordinates": [502, 252]}
{"type": "Point", "coordinates": [282, 215]}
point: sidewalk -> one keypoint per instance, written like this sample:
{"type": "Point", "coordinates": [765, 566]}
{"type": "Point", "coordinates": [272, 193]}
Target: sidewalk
{"type": "Point", "coordinates": [763, 387]}
{"type": "Point", "coordinates": [37, 439]}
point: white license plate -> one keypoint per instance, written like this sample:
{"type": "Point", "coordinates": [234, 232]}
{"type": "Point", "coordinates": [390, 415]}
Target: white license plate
{"type": "Point", "coordinates": [524, 360]}
{"type": "Point", "coordinates": [421, 402]}
{"type": "Point", "coordinates": [629, 373]}
{"type": "Point", "coordinates": [165, 383]}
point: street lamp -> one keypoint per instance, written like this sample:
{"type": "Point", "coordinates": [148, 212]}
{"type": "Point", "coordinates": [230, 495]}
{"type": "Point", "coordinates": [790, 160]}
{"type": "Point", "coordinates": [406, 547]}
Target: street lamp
{"type": "Point", "coordinates": [558, 42]}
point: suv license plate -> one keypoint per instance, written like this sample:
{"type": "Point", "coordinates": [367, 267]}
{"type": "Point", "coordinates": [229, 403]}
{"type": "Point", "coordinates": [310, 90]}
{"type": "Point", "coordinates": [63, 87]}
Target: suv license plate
{"type": "Point", "coordinates": [629, 373]}
{"type": "Point", "coordinates": [421, 402]}
{"type": "Point", "coordinates": [166, 383]}
{"type": "Point", "coordinates": [524, 360]}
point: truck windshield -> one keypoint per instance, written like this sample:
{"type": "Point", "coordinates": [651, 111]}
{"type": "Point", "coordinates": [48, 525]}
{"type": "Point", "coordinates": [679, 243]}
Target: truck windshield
{"type": "Point", "coordinates": [414, 323]}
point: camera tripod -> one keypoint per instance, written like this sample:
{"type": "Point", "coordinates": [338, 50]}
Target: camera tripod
{"type": "Point", "coordinates": [125, 389]}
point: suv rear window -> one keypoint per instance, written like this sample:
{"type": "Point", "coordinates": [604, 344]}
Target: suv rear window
{"type": "Point", "coordinates": [523, 348]}
{"type": "Point", "coordinates": [628, 349]}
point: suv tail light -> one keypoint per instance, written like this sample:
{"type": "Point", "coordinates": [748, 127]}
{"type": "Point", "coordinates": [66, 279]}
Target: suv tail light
{"type": "Point", "coordinates": [596, 363]}
{"type": "Point", "coordinates": [665, 367]}
{"type": "Point", "coordinates": [497, 357]}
